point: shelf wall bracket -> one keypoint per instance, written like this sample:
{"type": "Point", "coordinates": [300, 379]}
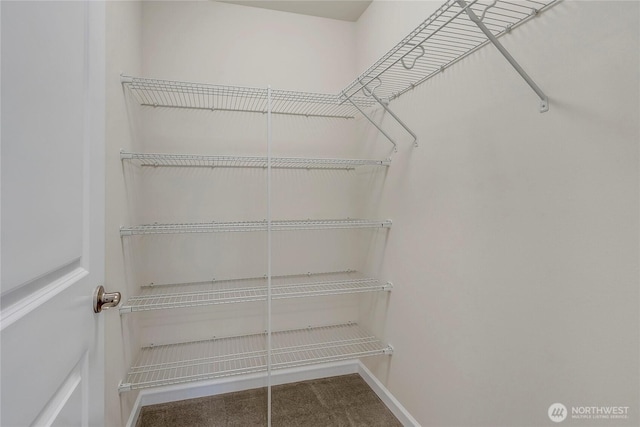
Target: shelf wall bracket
{"type": "Point", "coordinates": [125, 79]}
{"type": "Point", "coordinates": [124, 155]}
{"type": "Point", "coordinates": [122, 387]}
{"type": "Point", "coordinates": [544, 101]}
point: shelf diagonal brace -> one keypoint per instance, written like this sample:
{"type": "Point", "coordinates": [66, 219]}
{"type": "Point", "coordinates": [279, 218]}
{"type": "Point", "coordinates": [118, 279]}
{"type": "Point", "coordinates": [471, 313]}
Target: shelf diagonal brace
{"type": "Point", "coordinates": [373, 122]}
{"type": "Point", "coordinates": [369, 92]}
{"type": "Point", "coordinates": [544, 101]}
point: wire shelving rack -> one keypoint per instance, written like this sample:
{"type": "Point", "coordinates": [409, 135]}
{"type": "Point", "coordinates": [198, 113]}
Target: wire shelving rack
{"type": "Point", "coordinates": [440, 41]}
{"type": "Point", "coordinates": [245, 226]}
{"type": "Point", "coordinates": [193, 160]}
{"type": "Point", "coordinates": [221, 357]}
{"type": "Point", "coordinates": [160, 297]}
{"type": "Point", "coordinates": [457, 29]}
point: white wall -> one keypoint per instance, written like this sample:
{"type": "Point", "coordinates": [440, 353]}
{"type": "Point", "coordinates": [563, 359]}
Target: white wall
{"type": "Point", "coordinates": [245, 46]}
{"type": "Point", "coordinates": [514, 249]}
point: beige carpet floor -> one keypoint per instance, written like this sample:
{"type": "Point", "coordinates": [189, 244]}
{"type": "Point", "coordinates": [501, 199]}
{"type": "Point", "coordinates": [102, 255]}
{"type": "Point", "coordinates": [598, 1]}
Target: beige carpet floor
{"type": "Point", "coordinates": [338, 401]}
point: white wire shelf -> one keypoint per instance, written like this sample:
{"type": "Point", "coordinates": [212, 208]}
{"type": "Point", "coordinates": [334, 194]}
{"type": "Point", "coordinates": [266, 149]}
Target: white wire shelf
{"type": "Point", "coordinates": [245, 226]}
{"type": "Point", "coordinates": [161, 297]}
{"type": "Point", "coordinates": [221, 357]}
{"type": "Point", "coordinates": [441, 40]}
{"type": "Point", "coordinates": [193, 160]}
{"type": "Point", "coordinates": [457, 29]}
{"type": "Point", "coordinates": [203, 96]}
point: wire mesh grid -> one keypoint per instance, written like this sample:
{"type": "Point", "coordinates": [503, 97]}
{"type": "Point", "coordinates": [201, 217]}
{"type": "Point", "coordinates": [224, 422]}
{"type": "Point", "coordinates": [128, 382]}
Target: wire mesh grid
{"type": "Point", "coordinates": [246, 226]}
{"type": "Point", "coordinates": [441, 40]}
{"type": "Point", "coordinates": [193, 160]}
{"type": "Point", "coordinates": [447, 36]}
{"type": "Point", "coordinates": [221, 357]}
{"type": "Point", "coordinates": [176, 94]}
{"type": "Point", "coordinates": [159, 297]}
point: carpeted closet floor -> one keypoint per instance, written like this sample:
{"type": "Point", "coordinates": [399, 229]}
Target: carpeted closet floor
{"type": "Point", "coordinates": [338, 401]}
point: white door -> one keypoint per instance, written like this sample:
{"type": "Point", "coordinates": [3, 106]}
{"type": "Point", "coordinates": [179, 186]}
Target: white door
{"type": "Point", "coordinates": [52, 213]}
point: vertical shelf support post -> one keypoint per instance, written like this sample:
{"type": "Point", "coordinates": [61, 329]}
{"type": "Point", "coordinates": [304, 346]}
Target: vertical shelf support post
{"type": "Point", "coordinates": [544, 101]}
{"type": "Point", "coordinates": [269, 230]}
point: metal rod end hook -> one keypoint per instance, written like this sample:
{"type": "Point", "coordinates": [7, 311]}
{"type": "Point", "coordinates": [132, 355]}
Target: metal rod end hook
{"type": "Point", "coordinates": [544, 105]}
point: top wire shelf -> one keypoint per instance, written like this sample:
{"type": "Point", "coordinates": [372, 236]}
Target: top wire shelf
{"type": "Point", "coordinates": [457, 29]}
{"type": "Point", "coordinates": [202, 96]}
{"type": "Point", "coordinates": [444, 38]}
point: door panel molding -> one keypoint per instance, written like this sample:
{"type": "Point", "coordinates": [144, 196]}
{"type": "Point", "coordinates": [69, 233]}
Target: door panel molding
{"type": "Point", "coordinates": [36, 299]}
{"type": "Point", "coordinates": [76, 382]}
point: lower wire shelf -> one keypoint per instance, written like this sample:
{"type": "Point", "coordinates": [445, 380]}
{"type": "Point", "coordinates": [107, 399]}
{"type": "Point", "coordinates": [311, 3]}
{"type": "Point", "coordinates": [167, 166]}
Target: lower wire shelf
{"type": "Point", "coordinates": [197, 160]}
{"type": "Point", "coordinates": [222, 357]}
{"type": "Point", "coordinates": [159, 297]}
{"type": "Point", "coordinates": [246, 226]}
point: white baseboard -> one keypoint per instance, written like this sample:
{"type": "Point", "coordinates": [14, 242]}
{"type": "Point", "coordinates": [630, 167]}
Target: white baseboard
{"type": "Point", "coordinates": [284, 376]}
{"type": "Point", "coordinates": [385, 395]}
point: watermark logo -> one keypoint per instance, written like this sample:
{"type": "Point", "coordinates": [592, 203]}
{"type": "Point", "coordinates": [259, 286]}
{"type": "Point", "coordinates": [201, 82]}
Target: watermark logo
{"type": "Point", "coordinates": [557, 412]}
{"type": "Point", "coordinates": [600, 412]}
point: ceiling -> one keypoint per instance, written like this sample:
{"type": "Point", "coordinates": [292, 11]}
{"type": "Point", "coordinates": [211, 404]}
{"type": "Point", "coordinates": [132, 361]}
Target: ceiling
{"type": "Point", "coordinates": [344, 10]}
